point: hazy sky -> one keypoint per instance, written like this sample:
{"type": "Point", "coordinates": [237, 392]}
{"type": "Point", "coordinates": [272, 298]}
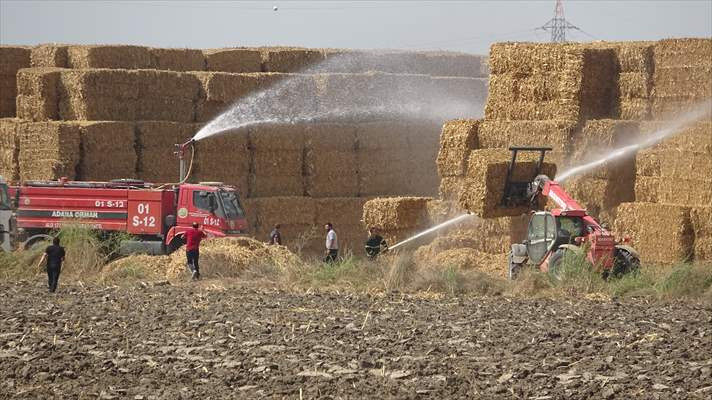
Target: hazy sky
{"type": "Point", "coordinates": [469, 26]}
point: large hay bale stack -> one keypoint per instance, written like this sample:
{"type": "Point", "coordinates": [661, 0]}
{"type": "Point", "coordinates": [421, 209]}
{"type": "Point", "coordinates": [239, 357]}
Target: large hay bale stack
{"type": "Point", "coordinates": [109, 56]}
{"type": "Point", "coordinates": [692, 192]}
{"type": "Point", "coordinates": [661, 233]}
{"type": "Point", "coordinates": [108, 151]}
{"type": "Point", "coordinates": [156, 143]}
{"type": "Point", "coordinates": [532, 81]}
{"type": "Point", "coordinates": [48, 150]}
{"type": "Point", "coordinates": [49, 55]}
{"type": "Point", "coordinates": [485, 180]}
{"type": "Point", "coordinates": [330, 163]}
{"type": "Point", "coordinates": [278, 158]}
{"type": "Point", "coordinates": [239, 60]}
{"type": "Point", "coordinates": [683, 76]}
{"type": "Point", "coordinates": [396, 217]}
{"type": "Point", "coordinates": [9, 148]}
{"type": "Point", "coordinates": [38, 93]}
{"type": "Point", "coordinates": [177, 59]}
{"type": "Point", "coordinates": [635, 81]}
{"type": "Point", "coordinates": [12, 59]}
{"type": "Point", "coordinates": [290, 59]}
{"type": "Point", "coordinates": [224, 158]}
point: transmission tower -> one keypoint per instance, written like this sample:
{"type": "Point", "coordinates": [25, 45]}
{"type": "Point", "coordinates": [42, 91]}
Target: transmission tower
{"type": "Point", "coordinates": [558, 25]}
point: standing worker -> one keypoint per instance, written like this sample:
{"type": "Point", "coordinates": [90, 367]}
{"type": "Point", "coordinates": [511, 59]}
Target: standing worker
{"type": "Point", "coordinates": [375, 243]}
{"type": "Point", "coordinates": [54, 254]}
{"type": "Point", "coordinates": [193, 237]}
{"type": "Point", "coordinates": [275, 237]}
{"type": "Point", "coordinates": [332, 244]}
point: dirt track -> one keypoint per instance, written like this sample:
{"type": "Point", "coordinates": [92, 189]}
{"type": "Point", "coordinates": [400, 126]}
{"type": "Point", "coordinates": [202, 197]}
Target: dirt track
{"type": "Point", "coordinates": [208, 342]}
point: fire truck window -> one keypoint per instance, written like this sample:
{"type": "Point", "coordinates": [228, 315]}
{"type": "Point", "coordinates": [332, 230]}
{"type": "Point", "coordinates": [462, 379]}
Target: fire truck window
{"type": "Point", "coordinates": [201, 200]}
{"type": "Point", "coordinates": [231, 205]}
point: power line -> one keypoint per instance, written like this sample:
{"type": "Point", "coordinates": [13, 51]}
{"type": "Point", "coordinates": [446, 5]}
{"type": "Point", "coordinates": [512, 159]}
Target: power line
{"type": "Point", "coordinates": [558, 25]}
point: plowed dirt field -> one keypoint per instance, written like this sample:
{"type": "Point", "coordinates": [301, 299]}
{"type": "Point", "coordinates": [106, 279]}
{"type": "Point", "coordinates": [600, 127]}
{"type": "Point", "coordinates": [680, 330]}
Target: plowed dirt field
{"type": "Point", "coordinates": [208, 342]}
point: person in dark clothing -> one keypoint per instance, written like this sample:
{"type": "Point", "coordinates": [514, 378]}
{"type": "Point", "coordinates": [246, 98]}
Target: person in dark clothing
{"type": "Point", "coordinates": [193, 237]}
{"type": "Point", "coordinates": [275, 237]}
{"type": "Point", "coordinates": [54, 254]}
{"type": "Point", "coordinates": [375, 243]}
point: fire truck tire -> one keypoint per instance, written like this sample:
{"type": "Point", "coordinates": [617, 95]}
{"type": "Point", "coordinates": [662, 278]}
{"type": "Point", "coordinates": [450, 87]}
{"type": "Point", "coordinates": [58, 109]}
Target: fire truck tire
{"type": "Point", "coordinates": [624, 262]}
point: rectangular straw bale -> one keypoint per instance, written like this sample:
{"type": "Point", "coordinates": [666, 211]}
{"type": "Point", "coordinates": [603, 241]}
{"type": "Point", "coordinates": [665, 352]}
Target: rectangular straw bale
{"type": "Point", "coordinates": [97, 108]}
{"type": "Point", "coordinates": [285, 210]}
{"type": "Point", "coordinates": [597, 138]}
{"type": "Point", "coordinates": [545, 86]}
{"type": "Point", "coordinates": [688, 82]}
{"type": "Point", "coordinates": [49, 55]}
{"type": "Point", "coordinates": [153, 83]}
{"type": "Point", "coordinates": [224, 158]}
{"type": "Point", "coordinates": [164, 108]}
{"type": "Point", "coordinates": [635, 56]}
{"type": "Point", "coordinates": [156, 139]}
{"type": "Point", "coordinates": [701, 218]}
{"type": "Point", "coordinates": [265, 185]}
{"type": "Point", "coordinates": [384, 172]}
{"type": "Point", "coordinates": [673, 108]}
{"type": "Point", "coordinates": [13, 58]}
{"type": "Point", "coordinates": [457, 138]}
{"type": "Point", "coordinates": [108, 151]}
{"type": "Point", "coordinates": [341, 61]}
{"type": "Point", "coordinates": [466, 95]}
{"type": "Point", "coordinates": [239, 60]}
{"type": "Point", "coordinates": [387, 135]}
{"type": "Point", "coordinates": [690, 192]}
{"type": "Point", "coordinates": [634, 109]}
{"type": "Point", "coordinates": [389, 61]}
{"type": "Point", "coordinates": [661, 233]}
{"type": "Point", "coordinates": [207, 110]}
{"type": "Point", "coordinates": [109, 56]}
{"type": "Point", "coordinates": [228, 88]}
{"type": "Point", "coordinates": [250, 208]}
{"type": "Point", "coordinates": [601, 197]}
{"type": "Point", "coordinates": [485, 180]}
{"type": "Point", "coordinates": [390, 213]}
{"type": "Point", "coordinates": [177, 59]}
{"type": "Point", "coordinates": [272, 137]}
{"type": "Point", "coordinates": [634, 85]}
{"type": "Point", "coordinates": [554, 133]}
{"type": "Point", "coordinates": [340, 211]}
{"type": "Point", "coordinates": [447, 63]}
{"type": "Point", "coordinates": [290, 59]}
{"type": "Point", "coordinates": [9, 148]}
{"type": "Point", "coordinates": [695, 137]}
{"type": "Point", "coordinates": [90, 83]}
{"type": "Point", "coordinates": [450, 187]}
{"type": "Point", "coordinates": [48, 150]}
{"type": "Point", "coordinates": [563, 109]}
{"type": "Point", "coordinates": [683, 52]}
{"type": "Point", "coordinates": [526, 58]}
{"type": "Point", "coordinates": [330, 160]}
{"type": "Point", "coordinates": [674, 165]}
{"type": "Point", "coordinates": [38, 94]}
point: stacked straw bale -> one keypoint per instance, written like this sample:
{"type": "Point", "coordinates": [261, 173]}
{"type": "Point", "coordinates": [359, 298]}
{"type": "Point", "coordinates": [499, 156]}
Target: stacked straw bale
{"type": "Point", "coordinates": [345, 214]}
{"type": "Point", "coordinates": [238, 60]}
{"type": "Point", "coordinates": [166, 96]}
{"type": "Point", "coordinates": [48, 150]}
{"type": "Point", "coordinates": [109, 57]}
{"type": "Point", "coordinates": [448, 64]}
{"type": "Point", "coordinates": [277, 166]}
{"type": "Point", "coordinates": [457, 139]}
{"type": "Point", "coordinates": [12, 59]}
{"type": "Point", "coordinates": [701, 218]}
{"type": "Point", "coordinates": [683, 75]}
{"type": "Point", "coordinates": [224, 158]}
{"type": "Point", "coordinates": [101, 139]}
{"type": "Point", "coordinates": [331, 168]}
{"type": "Point", "coordinates": [219, 90]}
{"type": "Point", "coordinates": [532, 81]}
{"type": "Point", "coordinates": [635, 78]}
{"type": "Point", "coordinates": [485, 180]}
{"type": "Point", "coordinates": [38, 94]}
{"type": "Point", "coordinates": [98, 95]}
{"type": "Point", "coordinates": [290, 59]}
{"type": "Point", "coordinates": [556, 134]}
{"type": "Point", "coordinates": [156, 140]}
{"type": "Point", "coordinates": [461, 92]}
{"type": "Point", "coordinates": [177, 59]}
{"type": "Point", "coordinates": [49, 56]}
{"type": "Point", "coordinates": [295, 214]}
{"type": "Point", "coordinates": [9, 149]}
{"type": "Point", "coordinates": [661, 233]}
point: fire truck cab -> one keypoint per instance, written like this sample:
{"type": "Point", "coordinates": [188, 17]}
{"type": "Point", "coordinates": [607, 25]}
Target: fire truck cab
{"type": "Point", "coordinates": [156, 217]}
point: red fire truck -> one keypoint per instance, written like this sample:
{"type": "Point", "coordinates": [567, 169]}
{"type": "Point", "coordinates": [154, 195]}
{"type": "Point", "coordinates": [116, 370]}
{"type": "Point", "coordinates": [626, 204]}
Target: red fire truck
{"type": "Point", "coordinates": [156, 216]}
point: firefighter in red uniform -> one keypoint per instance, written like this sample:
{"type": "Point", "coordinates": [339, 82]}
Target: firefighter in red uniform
{"type": "Point", "coordinates": [193, 237]}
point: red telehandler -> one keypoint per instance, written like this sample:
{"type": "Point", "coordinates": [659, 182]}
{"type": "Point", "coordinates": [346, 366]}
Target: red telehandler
{"type": "Point", "coordinates": [156, 216]}
{"type": "Point", "coordinates": [569, 228]}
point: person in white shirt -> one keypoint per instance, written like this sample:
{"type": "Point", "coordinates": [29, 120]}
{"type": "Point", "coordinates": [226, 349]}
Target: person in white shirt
{"type": "Point", "coordinates": [332, 244]}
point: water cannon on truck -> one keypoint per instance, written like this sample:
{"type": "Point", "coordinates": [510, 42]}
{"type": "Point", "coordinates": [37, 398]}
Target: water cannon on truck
{"type": "Point", "coordinates": [156, 216]}
{"type": "Point", "coordinates": [553, 234]}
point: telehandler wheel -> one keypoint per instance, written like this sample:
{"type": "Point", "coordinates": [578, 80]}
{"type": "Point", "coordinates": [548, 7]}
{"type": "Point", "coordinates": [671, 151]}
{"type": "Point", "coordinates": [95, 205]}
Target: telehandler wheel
{"type": "Point", "coordinates": [623, 263]}
{"type": "Point", "coordinates": [556, 263]}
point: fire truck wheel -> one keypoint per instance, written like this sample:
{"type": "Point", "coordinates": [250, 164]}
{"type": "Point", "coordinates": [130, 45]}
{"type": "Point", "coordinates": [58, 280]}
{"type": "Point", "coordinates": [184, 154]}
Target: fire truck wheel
{"type": "Point", "coordinates": [37, 242]}
{"type": "Point", "coordinates": [624, 263]}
